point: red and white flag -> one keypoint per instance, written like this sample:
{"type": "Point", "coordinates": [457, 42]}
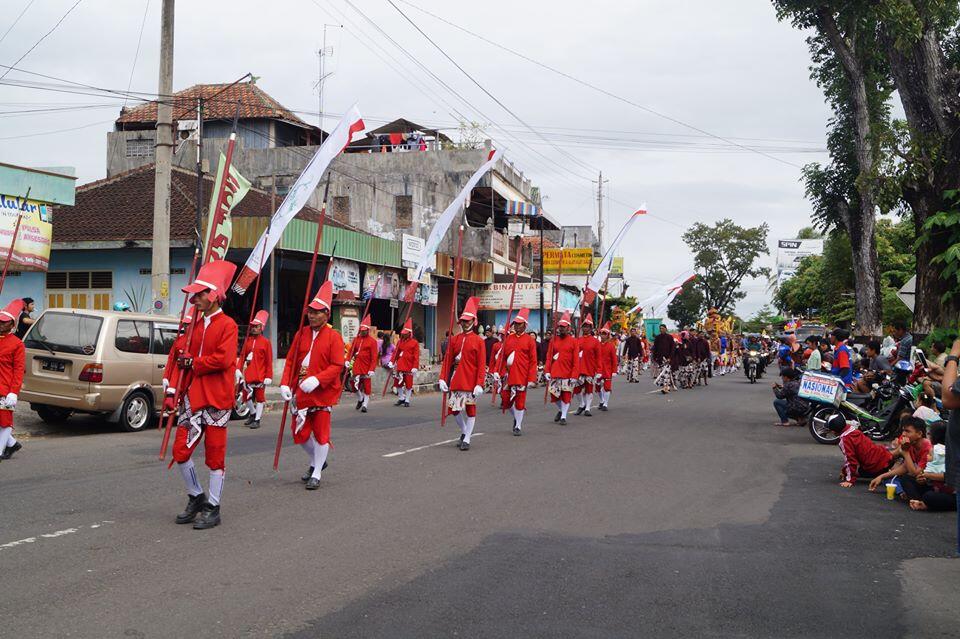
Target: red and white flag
{"type": "Point", "coordinates": [657, 303]}
{"type": "Point", "coordinates": [603, 269]}
{"type": "Point", "coordinates": [299, 194]}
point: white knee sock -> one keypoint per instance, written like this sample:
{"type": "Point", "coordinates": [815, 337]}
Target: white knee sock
{"type": "Point", "coordinates": [308, 447]}
{"type": "Point", "coordinates": [461, 423]}
{"type": "Point", "coordinates": [518, 415]}
{"type": "Point", "coordinates": [189, 474]}
{"type": "Point", "coordinates": [589, 400]}
{"type": "Point", "coordinates": [603, 398]}
{"type": "Point", "coordinates": [468, 429]}
{"type": "Point", "coordinates": [360, 396]}
{"type": "Point", "coordinates": [580, 398]}
{"type": "Point", "coordinates": [408, 395]}
{"type": "Point", "coordinates": [564, 407]}
{"type": "Point", "coordinates": [320, 452]}
{"type": "Point", "coordinates": [11, 440]}
{"type": "Point", "coordinates": [250, 405]}
{"type": "Point", "coordinates": [216, 487]}
{"type": "Point", "coordinates": [364, 399]}
{"type": "Point", "coordinates": [559, 405]}
{"type": "Point", "coordinates": [6, 438]}
{"type": "Point", "coordinates": [259, 411]}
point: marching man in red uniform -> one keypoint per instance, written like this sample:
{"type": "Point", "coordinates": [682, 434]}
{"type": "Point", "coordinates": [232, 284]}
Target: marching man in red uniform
{"type": "Point", "coordinates": [172, 372]}
{"type": "Point", "coordinates": [465, 367]}
{"type": "Point", "coordinates": [562, 366]}
{"type": "Point", "coordinates": [11, 376]}
{"type": "Point", "coordinates": [406, 361]}
{"type": "Point", "coordinates": [589, 366]}
{"type": "Point", "coordinates": [312, 380]}
{"type": "Point", "coordinates": [608, 365]}
{"type": "Point", "coordinates": [363, 363]}
{"type": "Point", "coordinates": [516, 369]}
{"type": "Point", "coordinates": [207, 369]}
{"type": "Point", "coordinates": [256, 360]}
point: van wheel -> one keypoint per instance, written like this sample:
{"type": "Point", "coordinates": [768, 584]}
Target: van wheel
{"type": "Point", "coordinates": [53, 414]}
{"type": "Point", "coordinates": [136, 412]}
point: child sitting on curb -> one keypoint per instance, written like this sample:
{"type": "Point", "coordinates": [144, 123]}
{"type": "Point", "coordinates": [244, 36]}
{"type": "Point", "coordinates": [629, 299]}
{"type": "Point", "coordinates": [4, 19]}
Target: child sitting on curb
{"type": "Point", "coordinates": [860, 455]}
{"type": "Point", "coordinates": [913, 449]}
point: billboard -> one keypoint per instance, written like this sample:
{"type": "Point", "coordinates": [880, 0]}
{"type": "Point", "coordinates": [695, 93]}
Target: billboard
{"type": "Point", "coordinates": [32, 249]}
{"type": "Point", "coordinates": [576, 261]}
{"type": "Point", "coordinates": [497, 296]}
{"type": "Point", "coordinates": [791, 252]}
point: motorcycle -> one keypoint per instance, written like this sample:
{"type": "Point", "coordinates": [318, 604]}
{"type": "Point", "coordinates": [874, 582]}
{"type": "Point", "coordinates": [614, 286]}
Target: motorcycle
{"type": "Point", "coordinates": [877, 413]}
{"type": "Point", "coordinates": [751, 366]}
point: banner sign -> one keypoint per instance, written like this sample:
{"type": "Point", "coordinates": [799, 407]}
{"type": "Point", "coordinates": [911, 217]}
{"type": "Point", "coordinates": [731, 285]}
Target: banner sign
{"type": "Point", "coordinates": [345, 275]}
{"type": "Point", "coordinates": [349, 323]}
{"type": "Point", "coordinates": [791, 252]}
{"type": "Point", "coordinates": [576, 261]}
{"type": "Point", "coordinates": [411, 250]}
{"type": "Point", "coordinates": [616, 270]}
{"type": "Point", "coordinates": [496, 297]}
{"type": "Point", "coordinates": [32, 249]}
{"type": "Point", "coordinates": [524, 209]}
{"type": "Point", "coordinates": [219, 223]}
{"type": "Point", "coordinates": [389, 287]}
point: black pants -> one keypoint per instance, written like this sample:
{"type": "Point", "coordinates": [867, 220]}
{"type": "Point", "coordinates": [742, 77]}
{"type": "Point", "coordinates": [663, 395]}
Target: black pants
{"type": "Point", "coordinates": [924, 492]}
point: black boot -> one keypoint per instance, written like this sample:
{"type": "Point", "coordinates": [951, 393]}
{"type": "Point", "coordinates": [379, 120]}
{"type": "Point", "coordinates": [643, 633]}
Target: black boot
{"type": "Point", "coordinates": [464, 445]}
{"type": "Point", "coordinates": [563, 421]}
{"type": "Point", "coordinates": [313, 483]}
{"type": "Point", "coordinates": [255, 424]}
{"type": "Point", "coordinates": [359, 404]}
{"type": "Point", "coordinates": [194, 506]}
{"type": "Point", "coordinates": [252, 417]}
{"type": "Point", "coordinates": [209, 517]}
{"type": "Point", "coordinates": [10, 450]}
{"type": "Point", "coordinates": [399, 402]}
{"type": "Point", "coordinates": [363, 409]}
{"type": "Point", "coordinates": [557, 418]}
{"type": "Point", "coordinates": [580, 410]}
{"type": "Point", "coordinates": [306, 476]}
{"type": "Point", "coordinates": [587, 413]}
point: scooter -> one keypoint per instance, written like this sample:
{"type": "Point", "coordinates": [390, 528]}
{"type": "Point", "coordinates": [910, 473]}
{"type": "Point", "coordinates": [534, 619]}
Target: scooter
{"type": "Point", "coordinates": [880, 424]}
{"type": "Point", "coordinates": [752, 366]}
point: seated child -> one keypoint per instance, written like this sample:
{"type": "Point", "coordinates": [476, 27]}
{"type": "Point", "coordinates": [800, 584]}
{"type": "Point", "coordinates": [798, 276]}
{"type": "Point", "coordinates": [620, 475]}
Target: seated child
{"type": "Point", "coordinates": [859, 453]}
{"type": "Point", "coordinates": [913, 448]}
{"type": "Point", "coordinates": [926, 410]}
{"type": "Point", "coordinates": [928, 491]}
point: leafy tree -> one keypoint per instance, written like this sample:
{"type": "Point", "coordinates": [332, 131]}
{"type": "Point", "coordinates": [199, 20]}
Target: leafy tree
{"type": "Point", "coordinates": [723, 255]}
{"type": "Point", "coordinates": [688, 307]}
{"type": "Point", "coordinates": [761, 320]}
{"type": "Point", "coordinates": [809, 233]}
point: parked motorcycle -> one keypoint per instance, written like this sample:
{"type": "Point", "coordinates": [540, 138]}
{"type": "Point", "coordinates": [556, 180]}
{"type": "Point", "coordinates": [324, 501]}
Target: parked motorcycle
{"type": "Point", "coordinates": [876, 413]}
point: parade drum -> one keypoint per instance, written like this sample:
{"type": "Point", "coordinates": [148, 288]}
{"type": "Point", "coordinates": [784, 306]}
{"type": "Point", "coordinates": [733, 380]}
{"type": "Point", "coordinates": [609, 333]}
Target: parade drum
{"type": "Point", "coordinates": [824, 389]}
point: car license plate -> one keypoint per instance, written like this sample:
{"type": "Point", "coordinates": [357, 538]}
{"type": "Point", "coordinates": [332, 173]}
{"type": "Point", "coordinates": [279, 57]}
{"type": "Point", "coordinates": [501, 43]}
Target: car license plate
{"type": "Point", "coordinates": [53, 365]}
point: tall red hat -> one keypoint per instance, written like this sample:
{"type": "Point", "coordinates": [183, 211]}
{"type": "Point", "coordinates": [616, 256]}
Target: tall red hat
{"type": "Point", "coordinates": [523, 316]}
{"type": "Point", "coordinates": [261, 318]}
{"type": "Point", "coordinates": [564, 319]}
{"type": "Point", "coordinates": [365, 322]}
{"type": "Point", "coordinates": [11, 312]}
{"type": "Point", "coordinates": [215, 276]}
{"type": "Point", "coordinates": [323, 300]}
{"type": "Point", "coordinates": [606, 328]}
{"type": "Point", "coordinates": [470, 309]}
{"type": "Point", "coordinates": [588, 319]}
{"type": "Point", "coordinates": [408, 327]}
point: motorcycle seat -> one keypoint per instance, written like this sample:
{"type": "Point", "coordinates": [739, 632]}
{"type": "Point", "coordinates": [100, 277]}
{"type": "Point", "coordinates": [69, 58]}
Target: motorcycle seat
{"type": "Point", "coordinates": [857, 398]}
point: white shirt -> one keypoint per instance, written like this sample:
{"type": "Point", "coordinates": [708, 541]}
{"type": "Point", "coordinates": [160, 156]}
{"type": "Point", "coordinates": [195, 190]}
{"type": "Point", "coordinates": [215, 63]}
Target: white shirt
{"type": "Point", "coordinates": [206, 325]}
{"type": "Point", "coordinates": [306, 360]}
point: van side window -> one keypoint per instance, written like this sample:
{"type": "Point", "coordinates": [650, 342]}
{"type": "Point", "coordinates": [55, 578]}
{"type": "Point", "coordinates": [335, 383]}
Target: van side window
{"type": "Point", "coordinates": [133, 336]}
{"type": "Point", "coordinates": [163, 336]}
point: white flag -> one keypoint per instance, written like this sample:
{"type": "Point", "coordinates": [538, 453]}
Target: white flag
{"type": "Point", "coordinates": [658, 302]}
{"type": "Point", "coordinates": [299, 194]}
{"type": "Point", "coordinates": [603, 269]}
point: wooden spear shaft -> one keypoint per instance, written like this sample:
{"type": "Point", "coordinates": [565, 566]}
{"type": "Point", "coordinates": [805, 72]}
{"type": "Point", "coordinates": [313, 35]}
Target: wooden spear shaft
{"type": "Point", "coordinates": [453, 312]}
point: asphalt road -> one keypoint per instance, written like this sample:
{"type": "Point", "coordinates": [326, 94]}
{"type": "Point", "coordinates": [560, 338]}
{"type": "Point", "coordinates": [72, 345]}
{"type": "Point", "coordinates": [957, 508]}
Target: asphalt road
{"type": "Point", "coordinates": [686, 515]}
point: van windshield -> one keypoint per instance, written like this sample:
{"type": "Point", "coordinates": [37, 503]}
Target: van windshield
{"type": "Point", "coordinates": [65, 333]}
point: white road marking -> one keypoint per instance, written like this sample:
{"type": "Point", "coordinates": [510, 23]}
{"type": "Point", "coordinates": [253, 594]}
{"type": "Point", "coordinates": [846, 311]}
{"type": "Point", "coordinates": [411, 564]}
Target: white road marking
{"type": "Point", "coordinates": [413, 450]}
{"type": "Point", "coordinates": [53, 535]}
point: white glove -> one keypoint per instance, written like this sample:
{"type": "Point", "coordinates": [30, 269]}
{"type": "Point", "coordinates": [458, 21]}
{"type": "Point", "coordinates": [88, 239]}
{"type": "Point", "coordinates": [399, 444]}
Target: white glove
{"type": "Point", "coordinates": [556, 356]}
{"type": "Point", "coordinates": [309, 384]}
{"type": "Point", "coordinates": [496, 376]}
{"type": "Point", "coordinates": [391, 365]}
{"type": "Point", "coordinates": [443, 386]}
{"type": "Point", "coordinates": [614, 375]}
{"type": "Point", "coordinates": [166, 384]}
{"type": "Point", "coordinates": [477, 391]}
{"type": "Point", "coordinates": [11, 400]}
{"type": "Point", "coordinates": [546, 376]}
{"type": "Point", "coordinates": [239, 376]}
{"type": "Point", "coordinates": [250, 356]}
{"type": "Point", "coordinates": [267, 381]}
{"type": "Point", "coordinates": [413, 371]}
{"type": "Point", "coordinates": [285, 393]}
{"type": "Point", "coordinates": [171, 390]}
{"type": "Point", "coordinates": [349, 365]}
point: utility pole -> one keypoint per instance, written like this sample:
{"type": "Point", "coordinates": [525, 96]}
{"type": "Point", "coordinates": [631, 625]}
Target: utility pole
{"type": "Point", "coordinates": [160, 259]}
{"type": "Point", "coordinates": [600, 182]}
{"type": "Point", "coordinates": [322, 55]}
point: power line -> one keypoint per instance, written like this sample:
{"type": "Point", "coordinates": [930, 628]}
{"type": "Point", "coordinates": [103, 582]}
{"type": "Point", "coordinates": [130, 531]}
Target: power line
{"type": "Point", "coordinates": [43, 37]}
{"type": "Point", "coordinates": [10, 28]}
{"type": "Point", "coordinates": [595, 87]}
{"type": "Point", "coordinates": [136, 55]}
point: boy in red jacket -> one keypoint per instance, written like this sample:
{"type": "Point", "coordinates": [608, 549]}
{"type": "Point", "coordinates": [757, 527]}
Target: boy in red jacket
{"type": "Point", "coordinates": [516, 368]}
{"type": "Point", "coordinates": [465, 366]}
{"type": "Point", "coordinates": [859, 453]}
{"type": "Point", "coordinates": [561, 369]}
{"type": "Point", "coordinates": [256, 360]}
{"type": "Point", "coordinates": [207, 368]}
{"type": "Point", "coordinates": [311, 379]}
{"type": "Point", "coordinates": [12, 361]}
{"type": "Point", "coordinates": [171, 373]}
{"type": "Point", "coordinates": [406, 361]}
{"type": "Point", "coordinates": [608, 365]}
{"type": "Point", "coordinates": [589, 354]}
{"type": "Point", "coordinates": [363, 362]}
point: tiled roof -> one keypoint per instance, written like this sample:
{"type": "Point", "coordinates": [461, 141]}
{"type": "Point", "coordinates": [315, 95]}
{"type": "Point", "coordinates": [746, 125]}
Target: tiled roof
{"type": "Point", "coordinates": [120, 208]}
{"type": "Point", "coordinates": [220, 103]}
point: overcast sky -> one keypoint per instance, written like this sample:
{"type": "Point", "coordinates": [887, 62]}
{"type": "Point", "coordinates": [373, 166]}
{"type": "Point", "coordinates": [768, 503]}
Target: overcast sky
{"type": "Point", "coordinates": [727, 68]}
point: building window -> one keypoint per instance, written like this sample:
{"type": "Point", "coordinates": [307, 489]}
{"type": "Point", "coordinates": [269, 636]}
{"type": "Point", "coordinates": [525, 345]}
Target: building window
{"type": "Point", "coordinates": [404, 204]}
{"type": "Point", "coordinates": [80, 289]}
{"type": "Point", "coordinates": [140, 147]}
{"type": "Point", "coordinates": [341, 208]}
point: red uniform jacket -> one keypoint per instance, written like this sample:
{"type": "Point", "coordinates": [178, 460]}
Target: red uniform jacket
{"type": "Point", "coordinates": [260, 366]}
{"type": "Point", "coordinates": [365, 355]}
{"type": "Point", "coordinates": [326, 364]}
{"type": "Point", "coordinates": [408, 355]}
{"type": "Point", "coordinates": [523, 369]}
{"type": "Point", "coordinates": [861, 453]}
{"type": "Point", "coordinates": [214, 352]}
{"type": "Point", "coordinates": [563, 359]}
{"type": "Point", "coordinates": [608, 358]}
{"type": "Point", "coordinates": [171, 373]}
{"type": "Point", "coordinates": [589, 355]}
{"type": "Point", "coordinates": [471, 370]}
{"type": "Point", "coordinates": [493, 364]}
{"type": "Point", "coordinates": [11, 364]}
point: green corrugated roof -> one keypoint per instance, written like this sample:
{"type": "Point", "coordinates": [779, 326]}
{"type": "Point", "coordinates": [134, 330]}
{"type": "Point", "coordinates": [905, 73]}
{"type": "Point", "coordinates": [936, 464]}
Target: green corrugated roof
{"type": "Point", "coordinates": [300, 235]}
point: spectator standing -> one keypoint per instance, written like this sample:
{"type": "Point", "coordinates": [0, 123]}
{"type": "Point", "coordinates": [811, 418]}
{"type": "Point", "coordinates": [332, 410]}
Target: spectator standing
{"type": "Point", "coordinates": [904, 341]}
{"type": "Point", "coordinates": [951, 401]}
{"type": "Point", "coordinates": [25, 321]}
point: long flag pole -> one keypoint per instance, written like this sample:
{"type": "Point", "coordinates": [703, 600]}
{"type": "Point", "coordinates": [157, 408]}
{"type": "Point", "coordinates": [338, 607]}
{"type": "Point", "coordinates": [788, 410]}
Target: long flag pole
{"type": "Point", "coordinates": [453, 312]}
{"type": "Point", "coordinates": [303, 312]}
{"type": "Point", "coordinates": [366, 308]}
{"type": "Point", "coordinates": [513, 292]}
{"type": "Point", "coordinates": [13, 240]}
{"type": "Point", "coordinates": [395, 355]}
{"type": "Point", "coordinates": [556, 303]}
{"type": "Point", "coordinates": [222, 192]}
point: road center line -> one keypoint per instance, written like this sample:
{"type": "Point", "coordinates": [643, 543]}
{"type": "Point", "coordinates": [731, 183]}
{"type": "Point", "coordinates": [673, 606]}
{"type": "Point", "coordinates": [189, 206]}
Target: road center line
{"type": "Point", "coordinates": [413, 450]}
{"type": "Point", "coordinates": [52, 535]}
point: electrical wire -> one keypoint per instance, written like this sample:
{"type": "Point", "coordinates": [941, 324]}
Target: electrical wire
{"type": "Point", "coordinates": [43, 37]}
{"type": "Point", "coordinates": [14, 23]}
{"type": "Point", "coordinates": [136, 54]}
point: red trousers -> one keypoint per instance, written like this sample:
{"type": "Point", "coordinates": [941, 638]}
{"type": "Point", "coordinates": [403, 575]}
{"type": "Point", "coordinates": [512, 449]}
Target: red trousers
{"type": "Point", "coordinates": [407, 381]}
{"type": "Point", "coordinates": [317, 423]}
{"type": "Point", "coordinates": [470, 408]}
{"type": "Point", "coordinates": [365, 385]}
{"type": "Point", "coordinates": [519, 399]}
{"type": "Point", "coordinates": [214, 446]}
{"type": "Point", "coordinates": [584, 387]}
{"type": "Point", "coordinates": [608, 384]}
{"type": "Point", "coordinates": [6, 419]}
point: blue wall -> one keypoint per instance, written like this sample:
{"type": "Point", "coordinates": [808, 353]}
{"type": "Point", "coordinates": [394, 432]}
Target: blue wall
{"type": "Point", "coordinates": [125, 264]}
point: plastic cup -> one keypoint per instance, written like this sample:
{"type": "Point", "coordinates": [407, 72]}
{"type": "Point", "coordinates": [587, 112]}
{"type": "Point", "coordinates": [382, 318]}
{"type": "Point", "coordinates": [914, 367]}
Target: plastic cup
{"type": "Point", "coordinates": [891, 491]}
